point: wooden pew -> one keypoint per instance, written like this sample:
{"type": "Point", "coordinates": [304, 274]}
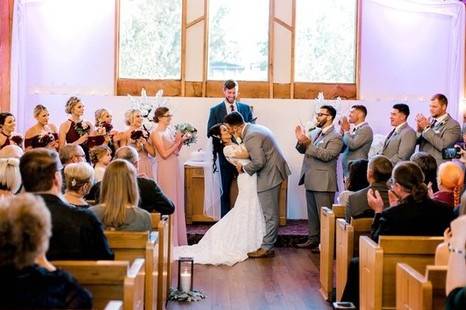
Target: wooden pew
{"type": "Point", "coordinates": [378, 262]}
{"type": "Point", "coordinates": [129, 245]}
{"type": "Point", "coordinates": [347, 246]}
{"type": "Point", "coordinates": [415, 291]}
{"type": "Point", "coordinates": [114, 305]}
{"type": "Point", "coordinates": [327, 247]}
{"type": "Point", "coordinates": [162, 225]}
{"type": "Point", "coordinates": [110, 280]}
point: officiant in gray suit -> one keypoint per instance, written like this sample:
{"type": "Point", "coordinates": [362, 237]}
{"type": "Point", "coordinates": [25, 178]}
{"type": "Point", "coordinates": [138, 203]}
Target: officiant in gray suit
{"type": "Point", "coordinates": [319, 169]}
{"type": "Point", "coordinates": [268, 162]}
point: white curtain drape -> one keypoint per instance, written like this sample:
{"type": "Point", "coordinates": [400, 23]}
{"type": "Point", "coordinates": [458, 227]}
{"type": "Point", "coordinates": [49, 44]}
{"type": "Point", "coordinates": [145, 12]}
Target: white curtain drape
{"type": "Point", "coordinates": [412, 49]}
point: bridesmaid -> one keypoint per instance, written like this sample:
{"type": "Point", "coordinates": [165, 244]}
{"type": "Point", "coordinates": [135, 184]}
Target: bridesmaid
{"type": "Point", "coordinates": [138, 137]}
{"type": "Point", "coordinates": [169, 173]}
{"type": "Point", "coordinates": [7, 129]}
{"type": "Point", "coordinates": [104, 127]}
{"type": "Point", "coordinates": [43, 133]}
{"type": "Point", "coordinates": [75, 130]}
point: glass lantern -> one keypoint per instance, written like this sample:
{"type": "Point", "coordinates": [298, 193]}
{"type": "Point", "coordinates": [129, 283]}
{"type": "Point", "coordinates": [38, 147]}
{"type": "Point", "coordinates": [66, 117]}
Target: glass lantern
{"type": "Point", "coordinates": [185, 274]}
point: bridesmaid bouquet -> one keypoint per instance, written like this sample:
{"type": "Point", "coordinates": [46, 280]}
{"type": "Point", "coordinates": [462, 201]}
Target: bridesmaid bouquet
{"type": "Point", "coordinates": [82, 128]}
{"type": "Point", "coordinates": [189, 130]}
{"type": "Point", "coordinates": [43, 140]}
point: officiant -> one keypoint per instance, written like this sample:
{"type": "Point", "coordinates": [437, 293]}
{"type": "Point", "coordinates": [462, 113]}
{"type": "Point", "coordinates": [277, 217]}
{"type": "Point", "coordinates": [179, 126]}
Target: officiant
{"type": "Point", "coordinates": [217, 114]}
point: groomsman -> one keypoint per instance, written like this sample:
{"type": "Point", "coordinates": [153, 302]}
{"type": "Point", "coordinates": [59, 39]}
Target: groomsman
{"type": "Point", "coordinates": [319, 169]}
{"type": "Point", "coordinates": [357, 142]}
{"type": "Point", "coordinates": [401, 141]}
{"type": "Point", "coordinates": [217, 114]}
{"type": "Point", "coordinates": [439, 131]}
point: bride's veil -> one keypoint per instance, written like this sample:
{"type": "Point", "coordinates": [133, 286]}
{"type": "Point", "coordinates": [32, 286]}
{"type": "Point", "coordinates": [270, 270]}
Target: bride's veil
{"type": "Point", "coordinates": [212, 185]}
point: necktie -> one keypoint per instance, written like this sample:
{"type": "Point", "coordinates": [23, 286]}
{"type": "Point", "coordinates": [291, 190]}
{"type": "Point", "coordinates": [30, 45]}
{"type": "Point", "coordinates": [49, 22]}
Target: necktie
{"type": "Point", "coordinates": [389, 136]}
{"type": "Point", "coordinates": [232, 107]}
{"type": "Point", "coordinates": [433, 122]}
{"type": "Point", "coordinates": [318, 136]}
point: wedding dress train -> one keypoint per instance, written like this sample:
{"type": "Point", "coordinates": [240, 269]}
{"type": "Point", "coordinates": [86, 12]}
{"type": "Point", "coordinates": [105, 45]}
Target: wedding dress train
{"type": "Point", "coordinates": [240, 231]}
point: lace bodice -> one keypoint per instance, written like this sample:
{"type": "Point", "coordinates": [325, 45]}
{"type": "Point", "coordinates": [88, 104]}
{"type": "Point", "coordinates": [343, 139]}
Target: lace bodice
{"type": "Point", "coordinates": [235, 153]}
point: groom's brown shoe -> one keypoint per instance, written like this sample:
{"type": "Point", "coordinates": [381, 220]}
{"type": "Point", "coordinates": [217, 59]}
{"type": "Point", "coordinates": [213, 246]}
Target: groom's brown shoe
{"type": "Point", "coordinates": [260, 253]}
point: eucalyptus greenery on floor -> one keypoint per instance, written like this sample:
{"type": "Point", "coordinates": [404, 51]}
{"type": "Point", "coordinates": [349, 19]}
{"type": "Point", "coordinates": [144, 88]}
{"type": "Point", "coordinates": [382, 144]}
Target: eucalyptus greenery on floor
{"type": "Point", "coordinates": [194, 295]}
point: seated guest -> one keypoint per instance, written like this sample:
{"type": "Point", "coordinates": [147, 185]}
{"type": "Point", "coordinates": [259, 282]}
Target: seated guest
{"type": "Point", "coordinates": [152, 199]}
{"type": "Point", "coordinates": [118, 208]}
{"type": "Point", "coordinates": [101, 156]}
{"type": "Point", "coordinates": [450, 181]}
{"type": "Point", "coordinates": [72, 153]}
{"type": "Point", "coordinates": [79, 178]}
{"type": "Point", "coordinates": [76, 233]}
{"type": "Point", "coordinates": [456, 274]}
{"type": "Point", "coordinates": [27, 283]}
{"type": "Point", "coordinates": [428, 165]}
{"type": "Point", "coordinates": [10, 177]}
{"type": "Point", "coordinates": [379, 171]}
{"type": "Point", "coordinates": [411, 213]}
{"type": "Point", "coordinates": [356, 179]}
{"type": "Point", "coordinates": [11, 151]}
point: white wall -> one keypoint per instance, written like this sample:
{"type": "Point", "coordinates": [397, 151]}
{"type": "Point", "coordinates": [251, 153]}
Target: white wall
{"type": "Point", "coordinates": [68, 49]}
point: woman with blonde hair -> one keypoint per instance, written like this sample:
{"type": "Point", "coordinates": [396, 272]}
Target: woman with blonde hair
{"type": "Point", "coordinates": [450, 180]}
{"type": "Point", "coordinates": [79, 178]}
{"type": "Point", "coordinates": [43, 133]}
{"type": "Point", "coordinates": [28, 280]}
{"type": "Point", "coordinates": [119, 198]}
{"type": "Point", "coordinates": [137, 136]}
{"type": "Point", "coordinates": [10, 177]}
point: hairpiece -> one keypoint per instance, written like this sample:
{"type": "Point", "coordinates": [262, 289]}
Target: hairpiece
{"type": "Point", "coordinates": [147, 105]}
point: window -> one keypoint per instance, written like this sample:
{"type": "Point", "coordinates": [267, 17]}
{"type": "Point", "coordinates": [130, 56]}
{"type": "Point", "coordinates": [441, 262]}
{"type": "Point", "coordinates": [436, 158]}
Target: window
{"type": "Point", "coordinates": [325, 41]}
{"type": "Point", "coordinates": [150, 39]}
{"type": "Point", "coordinates": [238, 40]}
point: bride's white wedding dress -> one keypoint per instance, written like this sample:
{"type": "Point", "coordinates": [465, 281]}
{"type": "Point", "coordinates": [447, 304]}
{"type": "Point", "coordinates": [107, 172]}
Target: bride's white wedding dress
{"type": "Point", "coordinates": [240, 231]}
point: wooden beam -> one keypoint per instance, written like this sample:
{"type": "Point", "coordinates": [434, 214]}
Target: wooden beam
{"type": "Point", "coordinates": [293, 44]}
{"type": "Point", "coordinates": [184, 28]}
{"type": "Point", "coordinates": [271, 43]}
{"type": "Point", "coordinates": [206, 48]}
{"type": "Point", "coordinates": [195, 21]}
{"type": "Point", "coordinates": [358, 47]}
{"type": "Point", "coordinates": [116, 63]}
{"type": "Point", "coordinates": [283, 24]}
{"type": "Point", "coordinates": [6, 24]}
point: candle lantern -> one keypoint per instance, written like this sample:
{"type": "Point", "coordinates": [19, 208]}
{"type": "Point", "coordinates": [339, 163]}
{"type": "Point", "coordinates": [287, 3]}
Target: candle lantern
{"type": "Point", "coordinates": [185, 274]}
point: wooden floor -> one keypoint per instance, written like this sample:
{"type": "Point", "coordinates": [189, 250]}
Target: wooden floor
{"type": "Point", "coordinates": [290, 280]}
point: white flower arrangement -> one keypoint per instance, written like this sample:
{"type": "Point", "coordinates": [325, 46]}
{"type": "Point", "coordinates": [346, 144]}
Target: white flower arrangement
{"type": "Point", "coordinates": [147, 105]}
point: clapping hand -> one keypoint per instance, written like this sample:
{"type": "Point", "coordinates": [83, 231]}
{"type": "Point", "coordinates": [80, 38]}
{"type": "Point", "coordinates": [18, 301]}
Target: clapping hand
{"type": "Point", "coordinates": [300, 134]}
{"type": "Point", "coordinates": [344, 124]}
{"type": "Point", "coordinates": [458, 232]}
{"type": "Point", "coordinates": [375, 200]}
{"type": "Point", "coordinates": [422, 122]}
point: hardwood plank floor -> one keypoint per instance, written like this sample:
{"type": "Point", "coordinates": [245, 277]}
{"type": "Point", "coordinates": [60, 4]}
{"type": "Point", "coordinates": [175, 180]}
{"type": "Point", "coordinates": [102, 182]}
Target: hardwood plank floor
{"type": "Point", "coordinates": [290, 280]}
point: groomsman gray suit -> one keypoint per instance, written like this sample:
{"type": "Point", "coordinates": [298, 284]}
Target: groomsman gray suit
{"type": "Point", "coordinates": [442, 134]}
{"type": "Point", "coordinates": [400, 143]}
{"type": "Point", "coordinates": [319, 175]}
{"type": "Point", "coordinates": [357, 144]}
{"type": "Point", "coordinates": [268, 162]}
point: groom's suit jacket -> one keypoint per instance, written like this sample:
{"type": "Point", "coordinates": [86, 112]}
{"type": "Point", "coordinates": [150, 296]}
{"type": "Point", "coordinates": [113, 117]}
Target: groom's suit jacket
{"type": "Point", "coordinates": [319, 169]}
{"type": "Point", "coordinates": [442, 135]}
{"type": "Point", "coordinates": [267, 159]}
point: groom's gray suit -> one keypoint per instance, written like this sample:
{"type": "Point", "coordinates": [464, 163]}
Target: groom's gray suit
{"type": "Point", "coordinates": [268, 163]}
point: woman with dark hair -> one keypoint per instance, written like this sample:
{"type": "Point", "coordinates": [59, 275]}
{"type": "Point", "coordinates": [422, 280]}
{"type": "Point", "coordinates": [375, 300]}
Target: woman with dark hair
{"type": "Point", "coordinates": [242, 229]}
{"type": "Point", "coordinates": [356, 179]}
{"type": "Point", "coordinates": [428, 165]}
{"type": "Point", "coordinates": [7, 129]}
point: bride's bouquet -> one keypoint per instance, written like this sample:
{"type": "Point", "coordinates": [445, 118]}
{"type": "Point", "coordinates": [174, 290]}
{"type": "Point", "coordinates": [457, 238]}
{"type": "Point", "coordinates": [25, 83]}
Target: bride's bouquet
{"type": "Point", "coordinates": [189, 130]}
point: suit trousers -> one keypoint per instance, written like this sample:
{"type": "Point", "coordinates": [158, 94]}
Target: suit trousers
{"type": "Point", "coordinates": [269, 204]}
{"type": "Point", "coordinates": [315, 201]}
{"type": "Point", "coordinates": [227, 173]}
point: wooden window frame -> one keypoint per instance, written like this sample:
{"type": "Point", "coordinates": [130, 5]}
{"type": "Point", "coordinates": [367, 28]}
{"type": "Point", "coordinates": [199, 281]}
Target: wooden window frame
{"type": "Point", "coordinates": [249, 89]}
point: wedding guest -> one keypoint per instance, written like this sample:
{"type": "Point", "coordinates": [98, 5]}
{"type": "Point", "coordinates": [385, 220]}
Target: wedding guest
{"type": "Point", "coordinates": [79, 178]}
{"type": "Point", "coordinates": [319, 169]}
{"type": "Point", "coordinates": [151, 198]}
{"type": "Point", "coordinates": [169, 174]}
{"type": "Point", "coordinates": [43, 133]}
{"type": "Point", "coordinates": [379, 171]}
{"type": "Point", "coordinates": [72, 153]}
{"type": "Point", "coordinates": [439, 131]}
{"type": "Point", "coordinates": [10, 177]}
{"type": "Point", "coordinates": [356, 179]}
{"type": "Point", "coordinates": [450, 182]}
{"type": "Point", "coordinates": [357, 142]}
{"type": "Point", "coordinates": [100, 157]}
{"type": "Point", "coordinates": [138, 137]}
{"type": "Point", "coordinates": [7, 131]}
{"type": "Point", "coordinates": [428, 165]}
{"type": "Point", "coordinates": [28, 280]}
{"type": "Point", "coordinates": [11, 151]}
{"type": "Point", "coordinates": [216, 115]}
{"type": "Point", "coordinates": [456, 274]}
{"type": "Point", "coordinates": [75, 130]}
{"type": "Point", "coordinates": [119, 198]}
{"type": "Point", "coordinates": [76, 233]}
{"type": "Point", "coordinates": [401, 141]}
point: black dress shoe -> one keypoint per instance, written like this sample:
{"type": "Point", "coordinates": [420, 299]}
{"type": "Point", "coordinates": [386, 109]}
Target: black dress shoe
{"type": "Point", "coordinates": [308, 244]}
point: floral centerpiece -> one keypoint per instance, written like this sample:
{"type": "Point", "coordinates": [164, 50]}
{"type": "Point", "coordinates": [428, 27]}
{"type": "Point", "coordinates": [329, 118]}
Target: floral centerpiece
{"type": "Point", "coordinates": [189, 130]}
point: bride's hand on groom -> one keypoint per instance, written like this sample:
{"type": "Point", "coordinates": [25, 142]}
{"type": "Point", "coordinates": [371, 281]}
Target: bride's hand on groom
{"type": "Point", "coordinates": [239, 167]}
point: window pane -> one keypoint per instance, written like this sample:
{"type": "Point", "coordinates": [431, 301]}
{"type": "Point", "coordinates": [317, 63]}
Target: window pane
{"type": "Point", "coordinates": [325, 41]}
{"type": "Point", "coordinates": [238, 39]}
{"type": "Point", "coordinates": [150, 36]}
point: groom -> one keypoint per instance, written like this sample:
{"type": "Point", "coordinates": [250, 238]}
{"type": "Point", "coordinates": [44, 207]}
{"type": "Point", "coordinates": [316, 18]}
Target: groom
{"type": "Point", "coordinates": [268, 163]}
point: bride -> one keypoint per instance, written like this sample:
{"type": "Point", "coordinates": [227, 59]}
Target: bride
{"type": "Point", "coordinates": [242, 229]}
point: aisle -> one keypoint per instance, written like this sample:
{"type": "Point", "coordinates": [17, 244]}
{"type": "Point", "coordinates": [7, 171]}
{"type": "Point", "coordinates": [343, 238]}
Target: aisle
{"type": "Point", "coordinates": [290, 280]}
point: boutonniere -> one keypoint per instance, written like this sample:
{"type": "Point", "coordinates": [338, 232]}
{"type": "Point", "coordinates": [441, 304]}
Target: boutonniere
{"type": "Point", "coordinates": [82, 128]}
